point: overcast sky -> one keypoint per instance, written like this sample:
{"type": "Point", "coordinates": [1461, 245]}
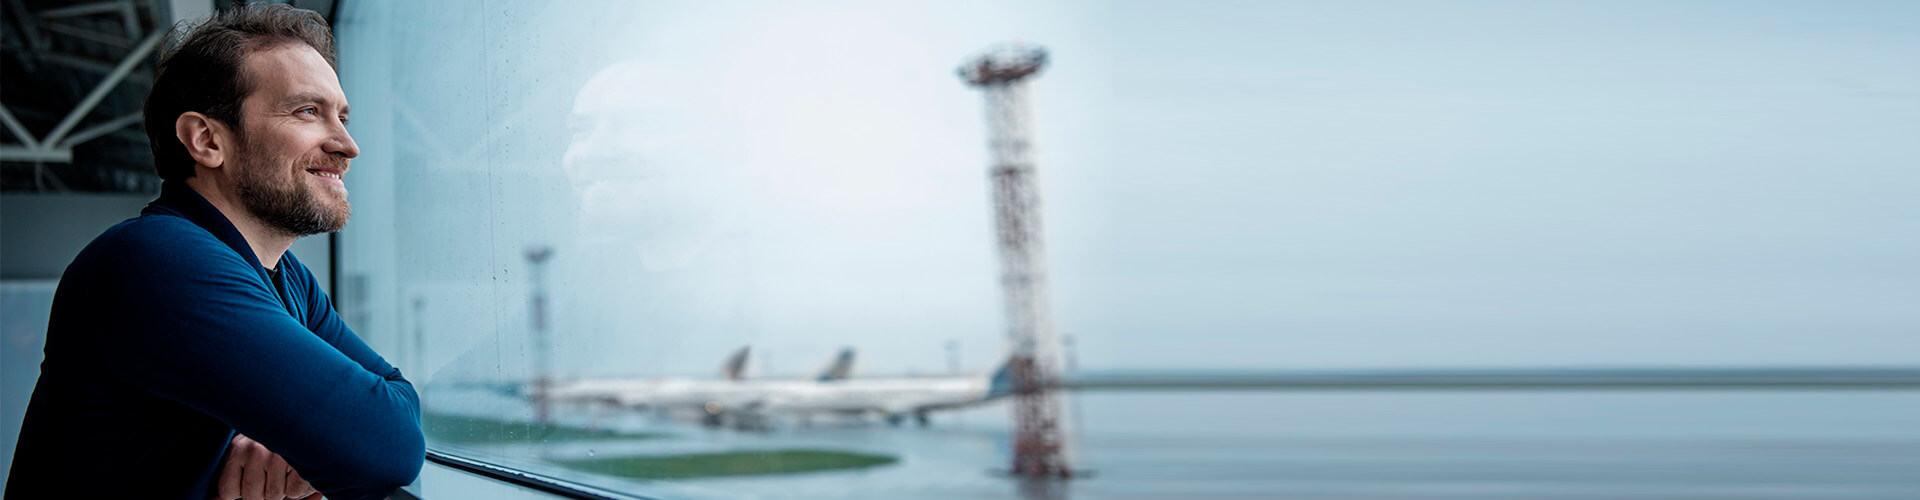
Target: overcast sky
{"type": "Point", "coordinates": [1253, 185]}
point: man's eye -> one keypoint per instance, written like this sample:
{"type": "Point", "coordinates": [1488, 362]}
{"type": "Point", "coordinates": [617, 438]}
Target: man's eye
{"type": "Point", "coordinates": [309, 110]}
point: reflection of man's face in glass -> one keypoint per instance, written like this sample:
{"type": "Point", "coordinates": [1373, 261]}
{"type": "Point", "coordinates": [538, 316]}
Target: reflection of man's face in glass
{"type": "Point", "coordinates": [640, 166]}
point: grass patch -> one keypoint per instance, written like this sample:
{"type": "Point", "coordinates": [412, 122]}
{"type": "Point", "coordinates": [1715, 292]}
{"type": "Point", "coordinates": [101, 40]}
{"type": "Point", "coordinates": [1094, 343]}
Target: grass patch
{"type": "Point", "coordinates": [738, 463]}
{"type": "Point", "coordinates": [470, 430]}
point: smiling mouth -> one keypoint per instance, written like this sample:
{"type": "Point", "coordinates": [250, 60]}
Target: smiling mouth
{"type": "Point", "coordinates": [330, 175]}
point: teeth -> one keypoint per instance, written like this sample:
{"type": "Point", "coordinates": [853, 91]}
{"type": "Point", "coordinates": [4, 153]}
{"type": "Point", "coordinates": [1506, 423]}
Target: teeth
{"type": "Point", "coordinates": [327, 174]}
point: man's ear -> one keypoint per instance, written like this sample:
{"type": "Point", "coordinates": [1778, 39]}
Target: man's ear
{"type": "Point", "coordinates": [206, 139]}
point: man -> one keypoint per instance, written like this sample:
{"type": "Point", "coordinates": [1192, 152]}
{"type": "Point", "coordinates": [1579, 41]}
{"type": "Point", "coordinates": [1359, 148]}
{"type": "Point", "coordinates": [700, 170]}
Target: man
{"type": "Point", "coordinates": [175, 330]}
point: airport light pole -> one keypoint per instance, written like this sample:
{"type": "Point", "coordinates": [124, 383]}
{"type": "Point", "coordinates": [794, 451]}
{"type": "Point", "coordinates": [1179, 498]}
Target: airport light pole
{"type": "Point", "coordinates": [542, 377]}
{"type": "Point", "coordinates": [1040, 444]}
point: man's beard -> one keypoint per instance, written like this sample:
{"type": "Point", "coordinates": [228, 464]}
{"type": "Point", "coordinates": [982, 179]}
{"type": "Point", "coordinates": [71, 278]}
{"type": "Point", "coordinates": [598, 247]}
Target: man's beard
{"type": "Point", "coordinates": [286, 204]}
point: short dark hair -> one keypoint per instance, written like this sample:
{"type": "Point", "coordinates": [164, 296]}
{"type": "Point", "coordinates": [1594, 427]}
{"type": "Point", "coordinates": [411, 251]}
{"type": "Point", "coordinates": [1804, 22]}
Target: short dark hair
{"type": "Point", "coordinates": [200, 70]}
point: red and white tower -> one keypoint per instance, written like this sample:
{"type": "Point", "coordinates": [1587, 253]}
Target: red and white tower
{"type": "Point", "coordinates": [1040, 444]}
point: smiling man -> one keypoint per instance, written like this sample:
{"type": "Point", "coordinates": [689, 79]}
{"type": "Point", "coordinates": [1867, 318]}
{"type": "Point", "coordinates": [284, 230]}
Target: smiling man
{"type": "Point", "coordinates": [189, 355]}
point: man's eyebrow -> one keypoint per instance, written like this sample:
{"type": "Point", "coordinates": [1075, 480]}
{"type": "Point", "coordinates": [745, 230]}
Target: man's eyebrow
{"type": "Point", "coordinates": [308, 98]}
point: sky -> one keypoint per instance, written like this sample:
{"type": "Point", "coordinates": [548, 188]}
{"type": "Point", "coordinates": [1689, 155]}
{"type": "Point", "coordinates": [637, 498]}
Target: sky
{"type": "Point", "coordinates": [1227, 185]}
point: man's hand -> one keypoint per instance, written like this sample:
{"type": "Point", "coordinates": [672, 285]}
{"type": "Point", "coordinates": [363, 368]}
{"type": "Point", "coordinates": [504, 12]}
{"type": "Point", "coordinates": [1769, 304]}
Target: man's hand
{"type": "Point", "coordinates": [254, 473]}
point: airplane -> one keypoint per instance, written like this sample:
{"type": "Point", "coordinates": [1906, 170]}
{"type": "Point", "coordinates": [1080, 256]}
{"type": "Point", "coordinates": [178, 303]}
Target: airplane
{"type": "Point", "coordinates": [747, 403]}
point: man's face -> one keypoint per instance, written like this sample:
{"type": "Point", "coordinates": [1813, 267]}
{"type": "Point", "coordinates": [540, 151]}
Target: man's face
{"type": "Point", "coordinates": [291, 161]}
{"type": "Point", "coordinates": [639, 167]}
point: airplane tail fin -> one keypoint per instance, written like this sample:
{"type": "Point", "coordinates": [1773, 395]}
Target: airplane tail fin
{"type": "Point", "coordinates": [736, 366]}
{"type": "Point", "coordinates": [840, 369]}
{"type": "Point", "coordinates": [1002, 383]}
{"type": "Point", "coordinates": [516, 390]}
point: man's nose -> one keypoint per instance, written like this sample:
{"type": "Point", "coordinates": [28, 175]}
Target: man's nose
{"type": "Point", "coordinates": [341, 143]}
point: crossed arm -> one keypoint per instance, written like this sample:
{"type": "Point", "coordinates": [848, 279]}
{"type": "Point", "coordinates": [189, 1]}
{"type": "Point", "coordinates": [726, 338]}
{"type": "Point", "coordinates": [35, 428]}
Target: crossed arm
{"type": "Point", "coordinates": [252, 472]}
{"type": "Point", "coordinates": [214, 337]}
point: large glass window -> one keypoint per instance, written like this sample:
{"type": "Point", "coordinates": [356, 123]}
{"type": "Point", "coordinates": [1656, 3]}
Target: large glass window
{"type": "Point", "coordinates": [597, 204]}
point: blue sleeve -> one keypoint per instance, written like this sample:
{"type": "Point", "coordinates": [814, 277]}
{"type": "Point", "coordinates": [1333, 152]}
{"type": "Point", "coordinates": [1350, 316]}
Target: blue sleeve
{"type": "Point", "coordinates": [193, 322]}
{"type": "Point", "coordinates": [324, 322]}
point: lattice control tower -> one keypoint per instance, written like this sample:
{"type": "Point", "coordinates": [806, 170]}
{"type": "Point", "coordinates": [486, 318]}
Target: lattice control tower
{"type": "Point", "coordinates": [1040, 435]}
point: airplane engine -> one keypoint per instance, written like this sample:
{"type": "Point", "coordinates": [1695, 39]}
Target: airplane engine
{"type": "Point", "coordinates": [714, 415]}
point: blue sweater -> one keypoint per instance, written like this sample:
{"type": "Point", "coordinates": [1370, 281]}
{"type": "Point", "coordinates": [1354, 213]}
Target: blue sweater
{"type": "Point", "coordinates": [167, 335]}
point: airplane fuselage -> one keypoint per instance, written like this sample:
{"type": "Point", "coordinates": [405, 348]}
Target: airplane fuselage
{"type": "Point", "coordinates": [888, 396]}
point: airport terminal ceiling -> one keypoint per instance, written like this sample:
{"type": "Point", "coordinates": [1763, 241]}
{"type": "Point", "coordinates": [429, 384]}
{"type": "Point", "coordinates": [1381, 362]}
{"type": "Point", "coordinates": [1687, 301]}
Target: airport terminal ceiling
{"type": "Point", "coordinates": [73, 76]}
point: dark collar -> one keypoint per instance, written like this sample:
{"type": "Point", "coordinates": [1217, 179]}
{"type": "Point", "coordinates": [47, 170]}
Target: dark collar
{"type": "Point", "coordinates": [179, 199]}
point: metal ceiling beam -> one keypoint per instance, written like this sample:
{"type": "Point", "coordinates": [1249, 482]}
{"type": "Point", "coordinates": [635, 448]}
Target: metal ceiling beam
{"type": "Point", "coordinates": [75, 62]}
{"type": "Point", "coordinates": [57, 146]}
{"type": "Point", "coordinates": [19, 131]}
{"type": "Point", "coordinates": [27, 26]}
{"type": "Point", "coordinates": [104, 128]}
{"type": "Point", "coordinates": [100, 91]}
{"type": "Point", "coordinates": [130, 19]}
{"type": "Point", "coordinates": [15, 40]}
{"type": "Point", "coordinates": [81, 10]}
{"type": "Point", "coordinates": [157, 10]}
{"type": "Point", "coordinates": [106, 38]}
{"type": "Point", "coordinates": [45, 155]}
{"type": "Point", "coordinates": [65, 119]}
